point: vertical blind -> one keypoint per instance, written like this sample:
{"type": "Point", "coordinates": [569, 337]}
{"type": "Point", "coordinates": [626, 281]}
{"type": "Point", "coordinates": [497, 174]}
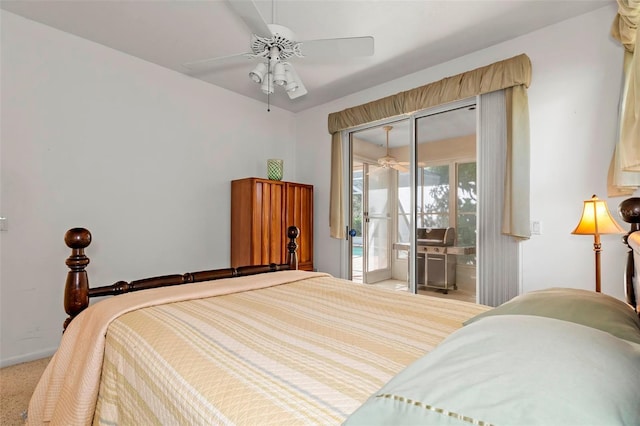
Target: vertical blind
{"type": "Point", "coordinates": [498, 254]}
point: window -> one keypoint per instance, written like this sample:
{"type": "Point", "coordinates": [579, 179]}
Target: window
{"type": "Point", "coordinates": [433, 189]}
{"type": "Point", "coordinates": [404, 211]}
{"type": "Point", "coordinates": [437, 207]}
{"type": "Point", "coordinates": [466, 209]}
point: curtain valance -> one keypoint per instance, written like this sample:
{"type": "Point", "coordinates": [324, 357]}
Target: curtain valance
{"type": "Point", "coordinates": [625, 24]}
{"type": "Point", "coordinates": [500, 75]}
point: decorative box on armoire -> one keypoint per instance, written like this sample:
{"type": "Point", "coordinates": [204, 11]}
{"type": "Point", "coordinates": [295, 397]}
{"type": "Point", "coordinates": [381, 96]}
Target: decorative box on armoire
{"type": "Point", "coordinates": [261, 212]}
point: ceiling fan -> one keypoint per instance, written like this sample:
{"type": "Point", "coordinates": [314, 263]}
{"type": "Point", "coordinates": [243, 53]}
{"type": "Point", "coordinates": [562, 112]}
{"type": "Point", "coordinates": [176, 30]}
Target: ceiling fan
{"type": "Point", "coordinates": [389, 162]}
{"type": "Point", "coordinates": [273, 45]}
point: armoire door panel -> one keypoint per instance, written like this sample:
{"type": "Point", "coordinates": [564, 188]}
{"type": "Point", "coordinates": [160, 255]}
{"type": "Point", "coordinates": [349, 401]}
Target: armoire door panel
{"type": "Point", "coordinates": [274, 232]}
{"type": "Point", "coordinates": [299, 212]}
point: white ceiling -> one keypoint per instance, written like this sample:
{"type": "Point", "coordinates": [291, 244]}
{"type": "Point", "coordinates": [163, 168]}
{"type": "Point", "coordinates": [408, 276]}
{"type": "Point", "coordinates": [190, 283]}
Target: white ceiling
{"type": "Point", "coordinates": [409, 35]}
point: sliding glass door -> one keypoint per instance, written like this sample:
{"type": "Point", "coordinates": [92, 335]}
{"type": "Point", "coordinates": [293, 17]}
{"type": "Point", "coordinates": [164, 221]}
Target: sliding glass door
{"type": "Point", "coordinates": [447, 194]}
{"type": "Point", "coordinates": [413, 181]}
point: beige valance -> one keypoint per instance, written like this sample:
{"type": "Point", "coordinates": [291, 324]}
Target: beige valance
{"type": "Point", "coordinates": [500, 75]}
{"type": "Point", "coordinates": [624, 172]}
{"type": "Point", "coordinates": [513, 72]}
{"type": "Point", "coordinates": [625, 24]}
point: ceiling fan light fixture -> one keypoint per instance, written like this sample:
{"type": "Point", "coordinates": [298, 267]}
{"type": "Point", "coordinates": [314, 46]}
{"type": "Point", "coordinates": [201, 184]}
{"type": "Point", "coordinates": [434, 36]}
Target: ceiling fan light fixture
{"type": "Point", "coordinates": [267, 84]}
{"type": "Point", "coordinates": [279, 75]}
{"type": "Point", "coordinates": [291, 83]}
{"type": "Point", "coordinates": [257, 74]}
{"type": "Point", "coordinates": [291, 86]}
{"type": "Point", "coordinates": [272, 45]}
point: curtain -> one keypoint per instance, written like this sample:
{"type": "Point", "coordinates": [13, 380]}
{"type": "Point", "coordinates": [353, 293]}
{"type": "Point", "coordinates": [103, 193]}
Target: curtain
{"type": "Point", "coordinates": [624, 170]}
{"type": "Point", "coordinates": [498, 254]}
{"type": "Point", "coordinates": [515, 213]}
{"type": "Point", "coordinates": [510, 73]}
{"type": "Point", "coordinates": [336, 208]}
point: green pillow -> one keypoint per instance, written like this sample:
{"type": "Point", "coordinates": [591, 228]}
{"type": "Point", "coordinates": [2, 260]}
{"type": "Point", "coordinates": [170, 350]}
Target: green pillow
{"type": "Point", "coordinates": [595, 310]}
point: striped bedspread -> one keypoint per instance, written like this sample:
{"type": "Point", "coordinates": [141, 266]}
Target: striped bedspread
{"type": "Point", "coordinates": [306, 352]}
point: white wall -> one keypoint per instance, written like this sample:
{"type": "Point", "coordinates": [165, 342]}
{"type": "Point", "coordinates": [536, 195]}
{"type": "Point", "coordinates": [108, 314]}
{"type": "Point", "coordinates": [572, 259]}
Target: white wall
{"type": "Point", "coordinates": [140, 155]}
{"type": "Point", "coordinates": [573, 108]}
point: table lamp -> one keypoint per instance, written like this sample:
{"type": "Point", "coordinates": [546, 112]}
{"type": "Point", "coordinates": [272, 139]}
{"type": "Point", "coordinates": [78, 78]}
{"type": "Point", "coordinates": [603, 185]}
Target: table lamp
{"type": "Point", "coordinates": [597, 220]}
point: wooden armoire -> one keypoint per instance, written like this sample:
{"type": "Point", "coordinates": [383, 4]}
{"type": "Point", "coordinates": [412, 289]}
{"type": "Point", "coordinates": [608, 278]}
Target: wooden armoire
{"type": "Point", "coordinates": [261, 212]}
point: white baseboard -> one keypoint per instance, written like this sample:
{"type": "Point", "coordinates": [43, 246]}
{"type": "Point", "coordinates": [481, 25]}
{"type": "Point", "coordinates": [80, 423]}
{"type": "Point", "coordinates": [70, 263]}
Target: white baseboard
{"type": "Point", "coordinates": [27, 357]}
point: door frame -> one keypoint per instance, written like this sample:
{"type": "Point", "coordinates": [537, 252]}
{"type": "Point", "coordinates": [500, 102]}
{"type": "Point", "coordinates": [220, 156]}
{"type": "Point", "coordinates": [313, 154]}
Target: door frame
{"type": "Point", "coordinates": [346, 268]}
{"type": "Point", "coordinates": [346, 247]}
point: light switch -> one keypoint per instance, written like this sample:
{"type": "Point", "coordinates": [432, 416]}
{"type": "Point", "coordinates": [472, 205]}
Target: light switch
{"type": "Point", "coordinates": [4, 224]}
{"type": "Point", "coordinates": [536, 228]}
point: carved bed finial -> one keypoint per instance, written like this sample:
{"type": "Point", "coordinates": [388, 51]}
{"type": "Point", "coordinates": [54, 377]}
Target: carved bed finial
{"type": "Point", "coordinates": [292, 233]}
{"type": "Point", "coordinates": [629, 211]}
{"type": "Point", "coordinates": [76, 289]}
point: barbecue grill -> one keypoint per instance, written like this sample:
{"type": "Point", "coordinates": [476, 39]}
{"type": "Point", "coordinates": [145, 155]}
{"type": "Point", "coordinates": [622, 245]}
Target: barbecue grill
{"type": "Point", "coordinates": [438, 265]}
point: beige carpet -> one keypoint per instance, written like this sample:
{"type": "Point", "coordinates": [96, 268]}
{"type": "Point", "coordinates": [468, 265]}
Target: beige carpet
{"type": "Point", "coordinates": [17, 383]}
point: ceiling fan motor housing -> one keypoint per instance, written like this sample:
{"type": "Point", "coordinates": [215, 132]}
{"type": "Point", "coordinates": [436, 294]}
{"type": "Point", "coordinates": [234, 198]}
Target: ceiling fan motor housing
{"type": "Point", "coordinates": [281, 37]}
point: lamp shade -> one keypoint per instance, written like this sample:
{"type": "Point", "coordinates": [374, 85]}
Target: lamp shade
{"type": "Point", "coordinates": [258, 73]}
{"type": "Point", "coordinates": [596, 219]}
{"type": "Point", "coordinates": [292, 84]}
{"type": "Point", "coordinates": [279, 77]}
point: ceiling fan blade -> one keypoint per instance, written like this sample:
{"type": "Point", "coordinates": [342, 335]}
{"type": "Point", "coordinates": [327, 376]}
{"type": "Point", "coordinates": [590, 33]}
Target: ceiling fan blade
{"type": "Point", "coordinates": [331, 47]}
{"type": "Point", "coordinates": [203, 63]}
{"type": "Point", "coordinates": [400, 168]}
{"type": "Point", "coordinates": [249, 13]}
{"type": "Point", "coordinates": [301, 90]}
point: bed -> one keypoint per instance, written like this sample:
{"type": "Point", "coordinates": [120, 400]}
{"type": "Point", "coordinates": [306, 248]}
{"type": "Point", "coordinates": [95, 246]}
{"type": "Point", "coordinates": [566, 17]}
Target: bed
{"type": "Point", "coordinates": [274, 345]}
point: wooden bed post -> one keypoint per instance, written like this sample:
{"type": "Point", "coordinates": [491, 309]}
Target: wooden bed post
{"type": "Point", "coordinates": [630, 212]}
{"type": "Point", "coordinates": [76, 289]}
{"type": "Point", "coordinates": [292, 233]}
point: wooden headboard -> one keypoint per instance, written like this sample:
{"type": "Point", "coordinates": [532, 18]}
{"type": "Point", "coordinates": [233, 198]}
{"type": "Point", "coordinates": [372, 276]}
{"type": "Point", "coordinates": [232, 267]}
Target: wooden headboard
{"type": "Point", "coordinates": [77, 291]}
{"type": "Point", "coordinates": [630, 212]}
